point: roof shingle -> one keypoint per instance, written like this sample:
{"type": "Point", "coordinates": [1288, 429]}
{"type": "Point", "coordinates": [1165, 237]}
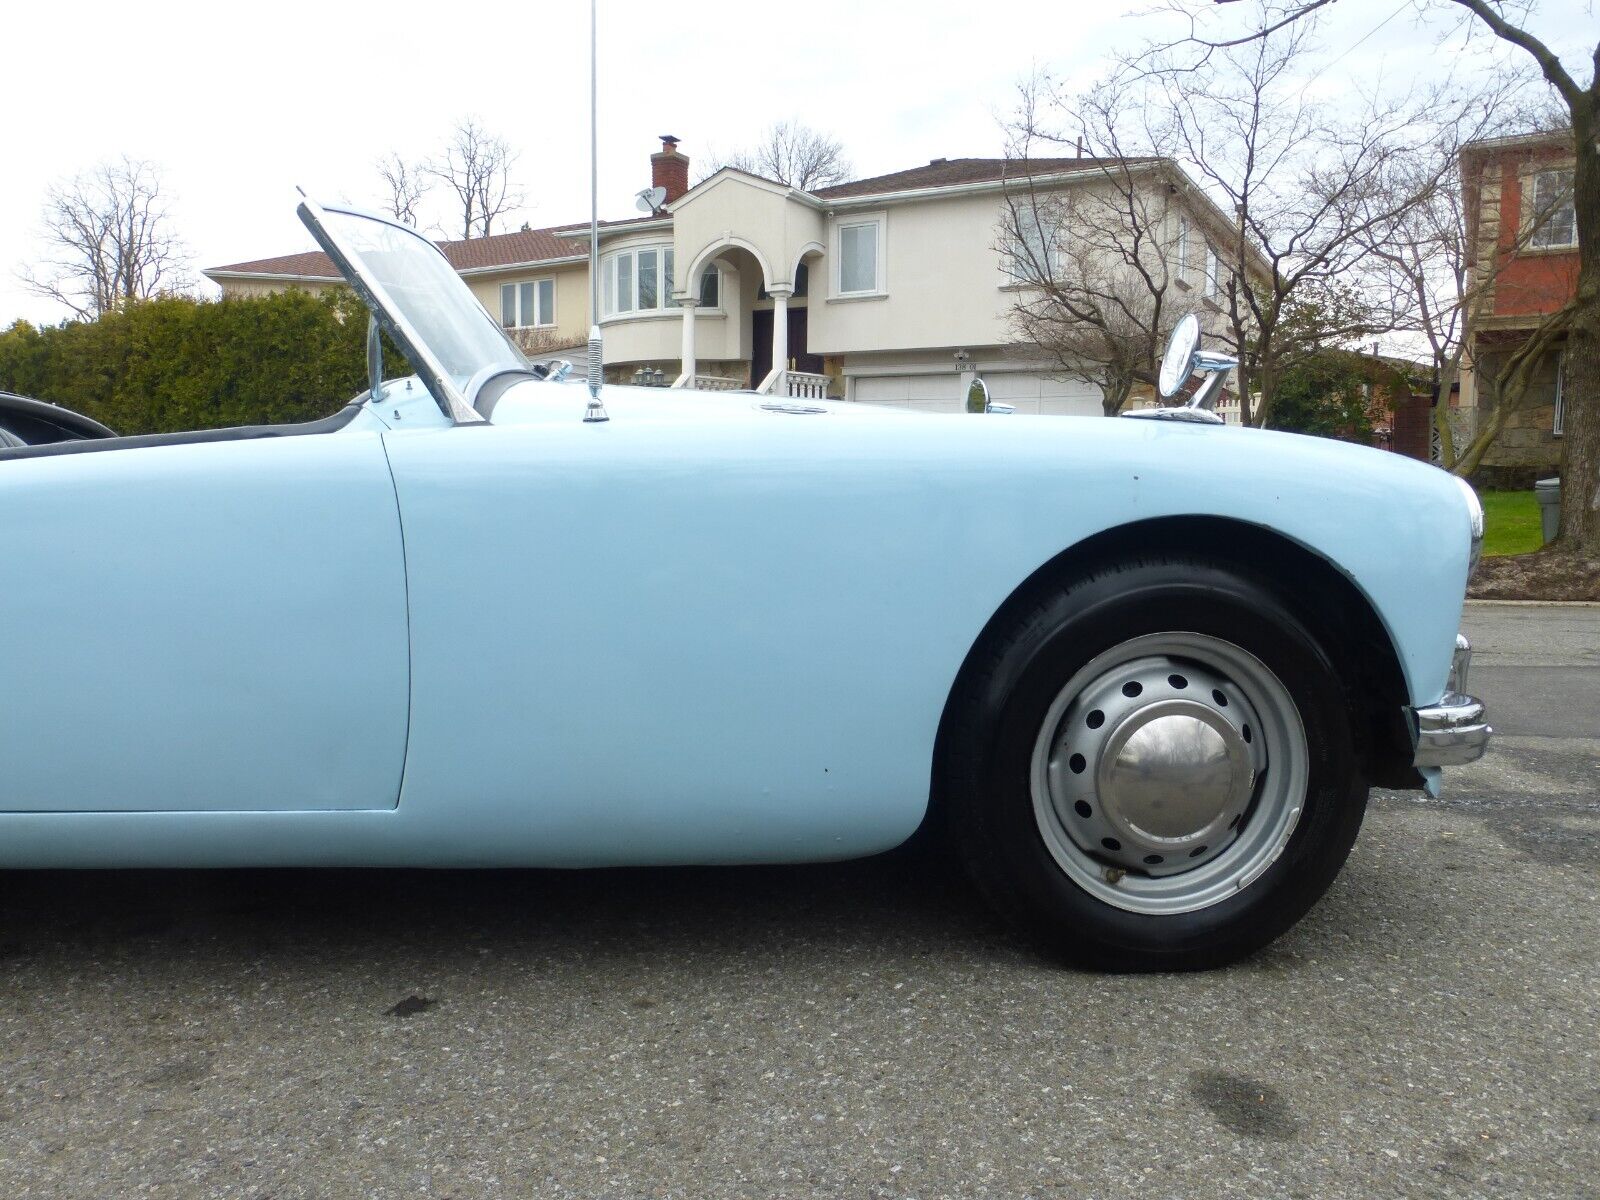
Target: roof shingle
{"type": "Point", "coordinates": [948, 172]}
{"type": "Point", "coordinates": [497, 250]}
{"type": "Point", "coordinates": [561, 241]}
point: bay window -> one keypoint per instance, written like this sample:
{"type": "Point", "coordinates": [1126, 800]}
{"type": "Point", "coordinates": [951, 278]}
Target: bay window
{"type": "Point", "coordinates": [640, 280]}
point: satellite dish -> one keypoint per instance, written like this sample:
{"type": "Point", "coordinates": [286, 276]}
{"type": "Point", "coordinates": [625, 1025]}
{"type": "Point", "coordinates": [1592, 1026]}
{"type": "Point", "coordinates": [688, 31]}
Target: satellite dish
{"type": "Point", "coordinates": [651, 199]}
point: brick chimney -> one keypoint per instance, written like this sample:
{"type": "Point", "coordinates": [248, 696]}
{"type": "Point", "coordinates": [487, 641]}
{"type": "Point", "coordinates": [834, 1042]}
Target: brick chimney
{"type": "Point", "coordinates": [669, 169]}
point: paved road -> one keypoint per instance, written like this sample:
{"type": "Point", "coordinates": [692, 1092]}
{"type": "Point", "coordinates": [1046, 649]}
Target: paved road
{"type": "Point", "coordinates": [852, 1031]}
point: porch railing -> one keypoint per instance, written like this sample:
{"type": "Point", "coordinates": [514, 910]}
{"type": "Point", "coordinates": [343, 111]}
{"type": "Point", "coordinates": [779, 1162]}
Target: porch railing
{"type": "Point", "coordinates": [805, 385]}
{"type": "Point", "coordinates": [707, 383]}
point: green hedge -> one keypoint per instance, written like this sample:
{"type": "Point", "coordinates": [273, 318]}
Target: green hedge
{"type": "Point", "coordinates": [175, 363]}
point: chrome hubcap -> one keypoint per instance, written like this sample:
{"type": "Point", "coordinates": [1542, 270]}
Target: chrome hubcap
{"type": "Point", "coordinates": [1169, 772]}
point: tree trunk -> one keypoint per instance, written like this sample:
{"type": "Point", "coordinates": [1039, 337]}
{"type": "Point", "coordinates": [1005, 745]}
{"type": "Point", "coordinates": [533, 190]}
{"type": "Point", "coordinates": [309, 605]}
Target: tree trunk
{"type": "Point", "coordinates": [1580, 455]}
{"type": "Point", "coordinates": [1266, 382]}
{"type": "Point", "coordinates": [1114, 394]}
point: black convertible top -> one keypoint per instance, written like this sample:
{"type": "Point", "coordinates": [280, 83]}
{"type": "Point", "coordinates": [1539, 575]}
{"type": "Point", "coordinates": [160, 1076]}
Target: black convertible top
{"type": "Point", "coordinates": [36, 422]}
{"type": "Point", "coordinates": [89, 443]}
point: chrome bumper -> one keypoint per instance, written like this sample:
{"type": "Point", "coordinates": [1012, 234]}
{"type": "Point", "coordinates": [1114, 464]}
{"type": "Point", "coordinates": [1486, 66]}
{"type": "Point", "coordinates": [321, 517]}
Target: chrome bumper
{"type": "Point", "coordinates": [1453, 731]}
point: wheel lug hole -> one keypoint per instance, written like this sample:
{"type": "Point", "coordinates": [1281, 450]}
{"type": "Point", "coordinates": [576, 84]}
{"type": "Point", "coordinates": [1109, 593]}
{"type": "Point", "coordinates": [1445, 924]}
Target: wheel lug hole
{"type": "Point", "coordinates": [1178, 681]}
{"type": "Point", "coordinates": [1095, 719]}
{"type": "Point", "coordinates": [1077, 763]}
{"type": "Point", "coordinates": [1132, 689]}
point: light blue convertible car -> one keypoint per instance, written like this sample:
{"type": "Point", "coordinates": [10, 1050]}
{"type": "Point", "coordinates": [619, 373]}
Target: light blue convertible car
{"type": "Point", "coordinates": [1141, 673]}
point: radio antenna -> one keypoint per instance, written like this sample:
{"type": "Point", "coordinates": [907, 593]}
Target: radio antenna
{"type": "Point", "coordinates": [594, 411]}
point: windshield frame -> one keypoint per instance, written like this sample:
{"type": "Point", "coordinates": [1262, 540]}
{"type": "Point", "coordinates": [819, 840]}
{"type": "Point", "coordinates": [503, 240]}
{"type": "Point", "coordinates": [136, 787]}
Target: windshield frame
{"type": "Point", "coordinates": [452, 401]}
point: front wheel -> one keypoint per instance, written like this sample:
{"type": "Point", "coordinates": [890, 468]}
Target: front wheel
{"type": "Point", "coordinates": [1152, 769]}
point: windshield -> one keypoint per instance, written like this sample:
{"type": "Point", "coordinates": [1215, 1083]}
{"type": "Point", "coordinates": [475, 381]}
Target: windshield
{"type": "Point", "coordinates": [432, 314]}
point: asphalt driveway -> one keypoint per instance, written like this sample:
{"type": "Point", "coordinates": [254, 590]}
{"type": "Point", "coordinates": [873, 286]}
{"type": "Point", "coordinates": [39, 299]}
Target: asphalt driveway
{"type": "Point", "coordinates": [860, 1030]}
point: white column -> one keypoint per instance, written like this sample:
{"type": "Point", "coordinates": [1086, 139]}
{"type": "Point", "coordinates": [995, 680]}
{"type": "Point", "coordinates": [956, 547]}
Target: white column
{"type": "Point", "coordinates": [689, 304]}
{"type": "Point", "coordinates": [780, 339]}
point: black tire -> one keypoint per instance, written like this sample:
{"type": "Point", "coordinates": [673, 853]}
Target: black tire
{"type": "Point", "coordinates": [1003, 698]}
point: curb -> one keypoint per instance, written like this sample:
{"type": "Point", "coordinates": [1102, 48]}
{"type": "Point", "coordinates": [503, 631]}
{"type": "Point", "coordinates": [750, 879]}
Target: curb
{"type": "Point", "coordinates": [1539, 603]}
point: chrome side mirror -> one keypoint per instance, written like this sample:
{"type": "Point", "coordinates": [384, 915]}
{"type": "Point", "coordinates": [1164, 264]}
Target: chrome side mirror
{"type": "Point", "coordinates": [1177, 364]}
{"type": "Point", "coordinates": [374, 359]}
{"type": "Point", "coordinates": [1182, 359]}
{"type": "Point", "coordinates": [977, 396]}
{"type": "Point", "coordinates": [978, 400]}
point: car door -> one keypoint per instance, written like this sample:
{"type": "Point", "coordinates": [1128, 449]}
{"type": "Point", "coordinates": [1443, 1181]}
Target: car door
{"type": "Point", "coordinates": [204, 626]}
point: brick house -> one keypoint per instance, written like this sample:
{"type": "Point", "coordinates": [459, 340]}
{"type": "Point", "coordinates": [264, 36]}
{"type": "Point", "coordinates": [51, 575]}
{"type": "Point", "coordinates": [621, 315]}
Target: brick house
{"type": "Point", "coordinates": [1522, 235]}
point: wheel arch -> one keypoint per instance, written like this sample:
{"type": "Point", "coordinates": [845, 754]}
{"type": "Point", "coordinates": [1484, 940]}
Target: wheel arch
{"type": "Point", "coordinates": [1334, 610]}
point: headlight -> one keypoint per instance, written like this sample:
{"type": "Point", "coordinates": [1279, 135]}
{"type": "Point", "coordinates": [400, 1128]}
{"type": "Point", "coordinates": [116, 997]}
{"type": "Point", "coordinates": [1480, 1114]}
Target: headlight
{"type": "Point", "coordinates": [1475, 519]}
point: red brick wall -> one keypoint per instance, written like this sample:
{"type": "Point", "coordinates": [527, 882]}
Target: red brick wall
{"type": "Point", "coordinates": [1532, 282]}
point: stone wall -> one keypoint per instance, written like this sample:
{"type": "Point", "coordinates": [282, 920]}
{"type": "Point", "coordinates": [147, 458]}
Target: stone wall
{"type": "Point", "coordinates": [670, 368]}
{"type": "Point", "coordinates": [1527, 448]}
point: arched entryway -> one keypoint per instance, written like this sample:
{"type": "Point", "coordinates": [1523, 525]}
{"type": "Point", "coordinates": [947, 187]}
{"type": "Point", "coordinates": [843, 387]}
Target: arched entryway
{"type": "Point", "coordinates": [797, 310]}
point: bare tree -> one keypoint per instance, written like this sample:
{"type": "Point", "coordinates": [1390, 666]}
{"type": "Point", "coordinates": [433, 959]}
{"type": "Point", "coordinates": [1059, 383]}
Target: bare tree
{"type": "Point", "coordinates": [792, 153]}
{"type": "Point", "coordinates": [1311, 187]}
{"type": "Point", "coordinates": [109, 238]}
{"type": "Point", "coordinates": [476, 169]}
{"type": "Point", "coordinates": [1095, 259]}
{"type": "Point", "coordinates": [1580, 320]}
{"type": "Point", "coordinates": [407, 183]}
{"type": "Point", "coordinates": [1303, 189]}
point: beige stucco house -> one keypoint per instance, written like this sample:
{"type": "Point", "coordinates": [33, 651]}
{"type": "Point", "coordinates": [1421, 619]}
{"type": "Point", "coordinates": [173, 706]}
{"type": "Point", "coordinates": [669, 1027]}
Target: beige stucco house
{"type": "Point", "coordinates": [890, 290]}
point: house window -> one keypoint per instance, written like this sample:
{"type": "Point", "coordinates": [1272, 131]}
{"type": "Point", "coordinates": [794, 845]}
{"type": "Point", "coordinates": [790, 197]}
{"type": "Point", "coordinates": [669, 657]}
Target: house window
{"type": "Point", "coordinates": [1032, 255]}
{"type": "Point", "coordinates": [622, 268]}
{"type": "Point", "coordinates": [1213, 272]}
{"type": "Point", "coordinates": [525, 305]}
{"type": "Point", "coordinates": [1182, 248]}
{"type": "Point", "coordinates": [710, 288]}
{"type": "Point", "coordinates": [860, 257]}
{"type": "Point", "coordinates": [1554, 216]}
{"type": "Point", "coordinates": [1561, 398]}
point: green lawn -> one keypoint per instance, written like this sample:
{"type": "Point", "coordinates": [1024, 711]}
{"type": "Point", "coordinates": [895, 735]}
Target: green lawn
{"type": "Point", "coordinates": [1511, 523]}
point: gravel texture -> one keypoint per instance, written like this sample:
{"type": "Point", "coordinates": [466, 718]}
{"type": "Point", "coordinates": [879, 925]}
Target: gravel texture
{"type": "Point", "coordinates": [857, 1030]}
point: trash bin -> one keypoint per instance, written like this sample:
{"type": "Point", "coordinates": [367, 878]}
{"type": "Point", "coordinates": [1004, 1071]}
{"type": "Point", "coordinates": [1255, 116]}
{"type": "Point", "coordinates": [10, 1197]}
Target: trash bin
{"type": "Point", "coordinates": [1548, 493]}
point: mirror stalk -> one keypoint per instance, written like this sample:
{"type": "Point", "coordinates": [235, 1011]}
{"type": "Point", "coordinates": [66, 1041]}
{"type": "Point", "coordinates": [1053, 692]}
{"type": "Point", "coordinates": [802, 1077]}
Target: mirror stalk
{"type": "Point", "coordinates": [374, 360]}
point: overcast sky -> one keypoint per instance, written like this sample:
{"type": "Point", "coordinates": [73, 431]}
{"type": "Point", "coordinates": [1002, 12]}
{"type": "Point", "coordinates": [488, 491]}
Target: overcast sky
{"type": "Point", "coordinates": [238, 103]}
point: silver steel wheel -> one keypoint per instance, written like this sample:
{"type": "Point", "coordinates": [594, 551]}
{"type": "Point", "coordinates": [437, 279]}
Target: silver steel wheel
{"type": "Point", "coordinates": [1169, 773]}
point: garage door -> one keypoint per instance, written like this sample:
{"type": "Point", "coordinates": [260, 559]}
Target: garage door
{"type": "Point", "coordinates": [928, 393]}
{"type": "Point", "coordinates": [1026, 391]}
{"type": "Point", "coordinates": [1030, 392]}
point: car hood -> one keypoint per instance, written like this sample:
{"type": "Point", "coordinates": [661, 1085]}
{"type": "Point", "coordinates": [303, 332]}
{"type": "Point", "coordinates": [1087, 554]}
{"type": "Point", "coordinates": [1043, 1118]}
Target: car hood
{"type": "Point", "coordinates": [1163, 446]}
